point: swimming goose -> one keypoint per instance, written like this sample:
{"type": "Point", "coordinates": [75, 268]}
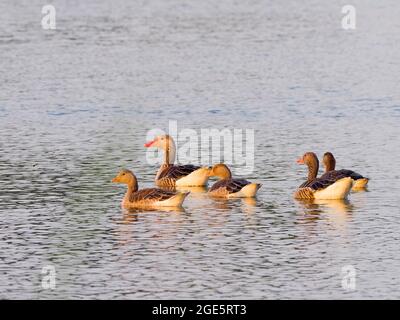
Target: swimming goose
{"type": "Point", "coordinates": [329, 161]}
{"type": "Point", "coordinates": [227, 187]}
{"type": "Point", "coordinates": [170, 175]}
{"type": "Point", "coordinates": [145, 198]}
{"type": "Point", "coordinates": [337, 187]}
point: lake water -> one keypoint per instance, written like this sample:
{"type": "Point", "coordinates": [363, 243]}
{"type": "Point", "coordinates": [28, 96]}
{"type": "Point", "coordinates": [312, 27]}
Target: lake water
{"type": "Point", "coordinates": [76, 104]}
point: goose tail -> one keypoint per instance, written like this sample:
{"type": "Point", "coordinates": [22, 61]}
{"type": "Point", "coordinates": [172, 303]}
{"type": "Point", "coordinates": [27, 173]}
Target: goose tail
{"type": "Point", "coordinates": [360, 183]}
{"type": "Point", "coordinates": [176, 200]}
{"type": "Point", "coordinates": [248, 191]}
{"type": "Point", "coordinates": [339, 190]}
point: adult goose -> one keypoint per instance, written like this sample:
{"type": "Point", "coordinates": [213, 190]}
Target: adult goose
{"type": "Point", "coordinates": [147, 198]}
{"type": "Point", "coordinates": [337, 187]}
{"type": "Point", "coordinates": [170, 175]}
{"type": "Point", "coordinates": [227, 187]}
{"type": "Point", "coordinates": [329, 162]}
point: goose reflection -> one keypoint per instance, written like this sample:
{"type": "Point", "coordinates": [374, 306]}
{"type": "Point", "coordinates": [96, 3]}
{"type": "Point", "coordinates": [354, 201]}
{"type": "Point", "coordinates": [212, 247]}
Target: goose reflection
{"type": "Point", "coordinates": [196, 192]}
{"type": "Point", "coordinates": [132, 215]}
{"type": "Point", "coordinates": [130, 226]}
{"type": "Point", "coordinates": [247, 205]}
{"type": "Point", "coordinates": [336, 211]}
{"type": "Point", "coordinates": [251, 202]}
{"type": "Point", "coordinates": [223, 204]}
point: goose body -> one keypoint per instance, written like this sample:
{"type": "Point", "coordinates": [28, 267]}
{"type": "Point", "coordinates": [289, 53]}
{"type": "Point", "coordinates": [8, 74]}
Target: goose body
{"type": "Point", "coordinates": [182, 176]}
{"type": "Point", "coordinates": [170, 175]}
{"type": "Point", "coordinates": [359, 181]}
{"type": "Point", "coordinates": [227, 187]}
{"type": "Point", "coordinates": [325, 189]}
{"type": "Point", "coordinates": [147, 198]}
{"type": "Point", "coordinates": [331, 188]}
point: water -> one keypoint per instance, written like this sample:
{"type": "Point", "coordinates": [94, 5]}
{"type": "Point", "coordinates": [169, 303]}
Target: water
{"type": "Point", "coordinates": [76, 104]}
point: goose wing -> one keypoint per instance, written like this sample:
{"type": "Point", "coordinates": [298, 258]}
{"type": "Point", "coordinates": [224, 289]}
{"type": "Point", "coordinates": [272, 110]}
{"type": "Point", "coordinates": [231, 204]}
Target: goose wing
{"type": "Point", "coordinates": [351, 174]}
{"type": "Point", "coordinates": [230, 185]}
{"type": "Point", "coordinates": [339, 174]}
{"type": "Point", "coordinates": [306, 190]}
{"type": "Point", "coordinates": [177, 172]}
{"type": "Point", "coordinates": [151, 194]}
{"type": "Point", "coordinates": [318, 184]}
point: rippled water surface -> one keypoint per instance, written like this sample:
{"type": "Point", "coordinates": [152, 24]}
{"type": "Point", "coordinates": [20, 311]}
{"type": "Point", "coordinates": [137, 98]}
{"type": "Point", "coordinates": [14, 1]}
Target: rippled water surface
{"type": "Point", "coordinates": [76, 104]}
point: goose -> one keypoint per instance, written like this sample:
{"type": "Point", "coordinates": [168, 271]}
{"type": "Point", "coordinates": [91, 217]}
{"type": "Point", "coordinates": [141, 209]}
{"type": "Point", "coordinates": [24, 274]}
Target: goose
{"type": "Point", "coordinates": [170, 175]}
{"type": "Point", "coordinates": [337, 187]}
{"type": "Point", "coordinates": [227, 187]}
{"type": "Point", "coordinates": [146, 198]}
{"type": "Point", "coordinates": [329, 162]}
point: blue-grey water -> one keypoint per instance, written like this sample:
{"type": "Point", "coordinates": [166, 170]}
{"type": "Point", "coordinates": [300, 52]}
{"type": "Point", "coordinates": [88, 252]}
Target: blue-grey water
{"type": "Point", "coordinates": [76, 104]}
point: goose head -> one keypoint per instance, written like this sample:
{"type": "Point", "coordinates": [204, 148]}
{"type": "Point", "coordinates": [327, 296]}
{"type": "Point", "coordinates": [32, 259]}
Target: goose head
{"type": "Point", "coordinates": [164, 142]}
{"type": "Point", "coordinates": [125, 177]}
{"type": "Point", "coordinates": [329, 162]}
{"type": "Point", "coordinates": [310, 159]}
{"type": "Point", "coordinates": [221, 171]}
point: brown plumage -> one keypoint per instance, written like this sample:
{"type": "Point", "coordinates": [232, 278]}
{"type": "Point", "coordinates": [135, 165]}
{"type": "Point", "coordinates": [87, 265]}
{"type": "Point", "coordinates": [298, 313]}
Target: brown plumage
{"type": "Point", "coordinates": [304, 193]}
{"type": "Point", "coordinates": [329, 162]}
{"type": "Point", "coordinates": [151, 194]}
{"type": "Point", "coordinates": [150, 197]}
{"type": "Point", "coordinates": [169, 174]}
{"type": "Point", "coordinates": [229, 187]}
{"type": "Point", "coordinates": [313, 187]}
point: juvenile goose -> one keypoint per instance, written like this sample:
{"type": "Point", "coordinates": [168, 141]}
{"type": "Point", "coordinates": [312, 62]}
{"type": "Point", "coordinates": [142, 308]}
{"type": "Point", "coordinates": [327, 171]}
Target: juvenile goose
{"type": "Point", "coordinates": [170, 175]}
{"type": "Point", "coordinates": [227, 187]}
{"type": "Point", "coordinates": [329, 162]}
{"type": "Point", "coordinates": [337, 187]}
{"type": "Point", "coordinates": [146, 198]}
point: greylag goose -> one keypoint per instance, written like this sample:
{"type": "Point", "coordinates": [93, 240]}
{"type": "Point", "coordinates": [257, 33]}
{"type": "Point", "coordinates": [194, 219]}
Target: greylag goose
{"type": "Point", "coordinates": [170, 175]}
{"type": "Point", "coordinates": [147, 198]}
{"type": "Point", "coordinates": [329, 162]}
{"type": "Point", "coordinates": [227, 187]}
{"type": "Point", "coordinates": [337, 187]}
